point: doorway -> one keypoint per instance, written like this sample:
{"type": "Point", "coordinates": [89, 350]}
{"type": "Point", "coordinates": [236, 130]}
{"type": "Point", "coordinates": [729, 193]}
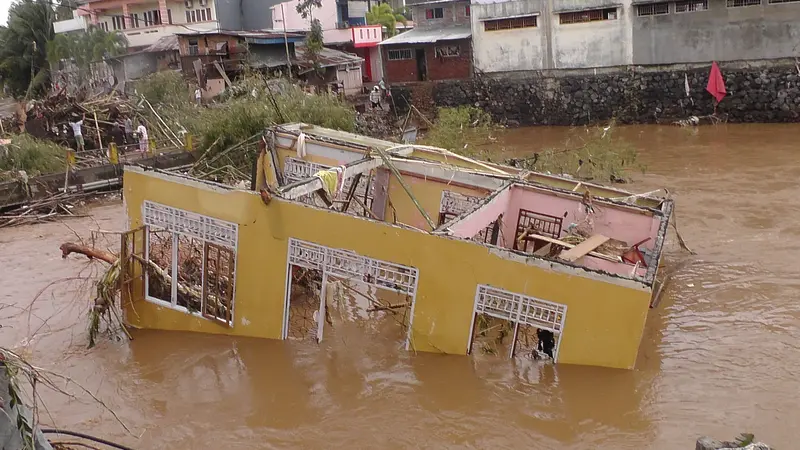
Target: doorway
{"type": "Point", "coordinates": [422, 66]}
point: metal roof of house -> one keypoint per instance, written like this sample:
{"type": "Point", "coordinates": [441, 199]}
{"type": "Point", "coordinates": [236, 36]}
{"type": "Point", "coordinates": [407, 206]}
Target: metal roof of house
{"type": "Point", "coordinates": [254, 35]}
{"type": "Point", "coordinates": [327, 57]}
{"type": "Point", "coordinates": [417, 36]}
{"type": "Point", "coordinates": [165, 44]}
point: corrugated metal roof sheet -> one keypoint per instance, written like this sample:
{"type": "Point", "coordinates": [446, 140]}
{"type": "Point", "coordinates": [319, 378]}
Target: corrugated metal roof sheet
{"type": "Point", "coordinates": [417, 36]}
{"type": "Point", "coordinates": [165, 44]}
{"type": "Point", "coordinates": [327, 57]}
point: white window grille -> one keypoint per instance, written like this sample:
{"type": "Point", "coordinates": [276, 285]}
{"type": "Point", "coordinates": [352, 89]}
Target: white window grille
{"type": "Point", "coordinates": [216, 240]}
{"type": "Point", "coordinates": [693, 5]}
{"type": "Point", "coordinates": [348, 264]}
{"type": "Point", "coordinates": [298, 169]}
{"type": "Point", "coordinates": [520, 308]}
{"type": "Point", "coordinates": [395, 55]}
{"type": "Point", "coordinates": [772, 2]}
{"type": "Point", "coordinates": [741, 3]}
{"type": "Point", "coordinates": [652, 9]}
{"type": "Point", "coordinates": [190, 224]}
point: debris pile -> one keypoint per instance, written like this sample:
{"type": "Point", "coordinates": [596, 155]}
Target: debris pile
{"type": "Point", "coordinates": [50, 208]}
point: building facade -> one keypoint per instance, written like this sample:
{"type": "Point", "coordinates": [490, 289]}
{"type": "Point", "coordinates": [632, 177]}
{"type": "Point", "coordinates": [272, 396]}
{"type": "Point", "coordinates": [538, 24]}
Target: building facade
{"type": "Point", "coordinates": [450, 282]}
{"type": "Point", "coordinates": [144, 22]}
{"type": "Point", "coordinates": [344, 27]}
{"type": "Point", "coordinates": [438, 48]}
{"type": "Point", "coordinates": [521, 35]}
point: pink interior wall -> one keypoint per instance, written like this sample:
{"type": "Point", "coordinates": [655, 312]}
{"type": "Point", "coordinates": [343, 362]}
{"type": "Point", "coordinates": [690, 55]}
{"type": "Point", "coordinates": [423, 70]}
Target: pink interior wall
{"type": "Point", "coordinates": [627, 226]}
{"type": "Point", "coordinates": [483, 216]}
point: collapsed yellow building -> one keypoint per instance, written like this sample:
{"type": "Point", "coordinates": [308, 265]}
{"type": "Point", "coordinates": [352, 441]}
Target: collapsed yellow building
{"type": "Point", "coordinates": [462, 247]}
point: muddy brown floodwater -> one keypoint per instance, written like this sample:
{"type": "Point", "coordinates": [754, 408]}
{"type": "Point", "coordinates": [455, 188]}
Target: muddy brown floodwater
{"type": "Point", "coordinates": [720, 354]}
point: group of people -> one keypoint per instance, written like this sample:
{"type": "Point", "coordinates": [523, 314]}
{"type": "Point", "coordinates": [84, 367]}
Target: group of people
{"type": "Point", "coordinates": [122, 133]}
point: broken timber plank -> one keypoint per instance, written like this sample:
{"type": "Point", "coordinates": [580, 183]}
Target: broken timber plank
{"type": "Point", "coordinates": [222, 72]}
{"type": "Point", "coordinates": [569, 246]}
{"type": "Point", "coordinates": [582, 249]}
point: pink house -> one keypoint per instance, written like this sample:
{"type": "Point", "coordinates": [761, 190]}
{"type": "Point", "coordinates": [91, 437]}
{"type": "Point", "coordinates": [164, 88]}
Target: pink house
{"type": "Point", "coordinates": [344, 28]}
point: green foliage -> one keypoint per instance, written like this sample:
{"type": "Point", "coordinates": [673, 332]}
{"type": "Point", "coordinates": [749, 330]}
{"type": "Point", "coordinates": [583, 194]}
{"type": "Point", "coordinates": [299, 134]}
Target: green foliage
{"type": "Point", "coordinates": [23, 44]}
{"type": "Point", "coordinates": [231, 124]}
{"type": "Point", "coordinates": [86, 47]}
{"type": "Point", "coordinates": [167, 87]}
{"type": "Point", "coordinates": [32, 155]}
{"type": "Point", "coordinates": [383, 14]}
{"type": "Point", "coordinates": [306, 7]}
{"type": "Point", "coordinates": [589, 154]}
{"type": "Point", "coordinates": [462, 130]}
{"type": "Point", "coordinates": [314, 40]}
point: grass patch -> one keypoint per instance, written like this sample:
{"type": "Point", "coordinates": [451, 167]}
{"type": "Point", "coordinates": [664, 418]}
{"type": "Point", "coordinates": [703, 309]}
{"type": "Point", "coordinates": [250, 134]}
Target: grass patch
{"type": "Point", "coordinates": [32, 155]}
{"type": "Point", "coordinates": [462, 130]}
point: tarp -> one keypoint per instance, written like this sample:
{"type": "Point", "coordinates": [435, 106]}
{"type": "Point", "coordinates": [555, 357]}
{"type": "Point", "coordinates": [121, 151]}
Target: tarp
{"type": "Point", "coordinates": [716, 84]}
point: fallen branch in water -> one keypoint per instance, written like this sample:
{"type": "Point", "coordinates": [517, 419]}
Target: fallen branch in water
{"type": "Point", "coordinates": [68, 248]}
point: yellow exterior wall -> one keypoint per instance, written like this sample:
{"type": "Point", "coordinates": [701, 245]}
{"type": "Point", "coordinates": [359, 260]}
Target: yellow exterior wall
{"type": "Point", "coordinates": [604, 321]}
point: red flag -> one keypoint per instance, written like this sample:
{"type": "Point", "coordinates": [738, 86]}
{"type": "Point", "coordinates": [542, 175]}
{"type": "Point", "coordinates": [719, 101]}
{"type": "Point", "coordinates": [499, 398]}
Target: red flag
{"type": "Point", "coordinates": [716, 85]}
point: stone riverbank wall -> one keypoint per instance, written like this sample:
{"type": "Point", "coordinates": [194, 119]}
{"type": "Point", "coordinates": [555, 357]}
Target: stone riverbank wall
{"type": "Point", "coordinates": [758, 91]}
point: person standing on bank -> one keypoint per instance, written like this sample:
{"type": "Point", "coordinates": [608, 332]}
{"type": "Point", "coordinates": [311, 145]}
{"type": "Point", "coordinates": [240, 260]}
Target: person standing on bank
{"type": "Point", "coordinates": [375, 97]}
{"type": "Point", "coordinates": [128, 126]}
{"type": "Point", "coordinates": [141, 131]}
{"type": "Point", "coordinates": [77, 132]}
{"type": "Point", "coordinates": [198, 97]}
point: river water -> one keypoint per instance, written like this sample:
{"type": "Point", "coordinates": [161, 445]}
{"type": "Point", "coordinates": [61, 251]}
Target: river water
{"type": "Point", "coordinates": [719, 356]}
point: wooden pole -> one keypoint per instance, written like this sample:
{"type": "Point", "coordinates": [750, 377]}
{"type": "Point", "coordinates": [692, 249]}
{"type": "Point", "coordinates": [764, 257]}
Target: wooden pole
{"type": "Point", "coordinates": [97, 127]}
{"type": "Point", "coordinates": [399, 177]}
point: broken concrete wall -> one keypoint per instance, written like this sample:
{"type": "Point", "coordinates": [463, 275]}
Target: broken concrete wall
{"type": "Point", "coordinates": [604, 323]}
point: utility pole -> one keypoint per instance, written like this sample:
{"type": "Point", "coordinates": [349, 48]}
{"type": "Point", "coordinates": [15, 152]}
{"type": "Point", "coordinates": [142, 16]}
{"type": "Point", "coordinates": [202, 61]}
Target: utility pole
{"type": "Point", "coordinates": [286, 42]}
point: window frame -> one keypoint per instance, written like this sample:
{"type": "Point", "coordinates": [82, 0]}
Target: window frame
{"type": "Point", "coordinates": [432, 15]}
{"type": "Point", "coordinates": [399, 51]}
{"type": "Point", "coordinates": [511, 23]}
{"type": "Point", "coordinates": [186, 231]}
{"type": "Point", "coordinates": [650, 9]}
{"type": "Point", "coordinates": [742, 3]}
{"type": "Point", "coordinates": [592, 15]}
{"type": "Point", "coordinates": [691, 4]}
{"type": "Point", "coordinates": [439, 54]}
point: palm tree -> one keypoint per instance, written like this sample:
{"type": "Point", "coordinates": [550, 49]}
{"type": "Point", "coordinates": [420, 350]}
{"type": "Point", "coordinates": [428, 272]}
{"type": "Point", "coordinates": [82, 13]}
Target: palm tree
{"type": "Point", "coordinates": [23, 43]}
{"type": "Point", "coordinates": [383, 14]}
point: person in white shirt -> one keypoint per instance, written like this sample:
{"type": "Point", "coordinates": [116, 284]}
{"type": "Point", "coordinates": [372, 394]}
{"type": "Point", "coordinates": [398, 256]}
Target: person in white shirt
{"type": "Point", "coordinates": [198, 96]}
{"type": "Point", "coordinates": [76, 131]}
{"type": "Point", "coordinates": [141, 131]}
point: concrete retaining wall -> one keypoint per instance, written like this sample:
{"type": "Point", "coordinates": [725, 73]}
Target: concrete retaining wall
{"type": "Point", "coordinates": [764, 91]}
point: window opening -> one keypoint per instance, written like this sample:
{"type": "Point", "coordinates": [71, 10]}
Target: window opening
{"type": "Point", "coordinates": [297, 169]}
{"type": "Point", "coordinates": [191, 261]}
{"type": "Point", "coordinates": [336, 270]}
{"type": "Point", "coordinates": [515, 325]}
{"type": "Point", "coordinates": [159, 252]}
{"type": "Point", "coordinates": [395, 55]}
{"type": "Point", "coordinates": [194, 48]}
{"type": "Point", "coordinates": [740, 3]}
{"type": "Point", "coordinates": [652, 9]}
{"type": "Point", "coordinates": [588, 16]}
{"type": "Point", "coordinates": [434, 13]}
{"type": "Point", "coordinates": [692, 6]}
{"type": "Point", "coordinates": [466, 10]}
{"type": "Point", "coordinates": [508, 24]}
{"type": "Point", "coordinates": [530, 222]}
{"type": "Point", "coordinates": [447, 51]}
{"type": "Point", "coordinates": [219, 263]}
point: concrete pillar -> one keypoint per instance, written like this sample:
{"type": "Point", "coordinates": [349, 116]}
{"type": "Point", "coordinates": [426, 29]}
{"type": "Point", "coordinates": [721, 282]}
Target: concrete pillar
{"type": "Point", "coordinates": [162, 8]}
{"type": "Point", "coordinates": [126, 12]}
